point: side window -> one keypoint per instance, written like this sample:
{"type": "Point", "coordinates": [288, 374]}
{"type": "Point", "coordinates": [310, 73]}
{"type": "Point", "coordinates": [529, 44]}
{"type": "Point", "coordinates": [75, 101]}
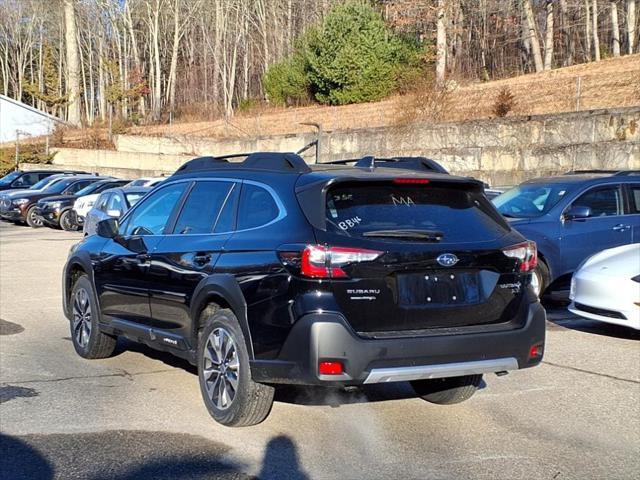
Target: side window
{"type": "Point", "coordinates": [76, 187]}
{"type": "Point", "coordinates": [101, 203]}
{"type": "Point", "coordinates": [151, 216]}
{"type": "Point", "coordinates": [115, 203]}
{"type": "Point", "coordinates": [202, 208]}
{"type": "Point", "coordinates": [603, 202]}
{"type": "Point", "coordinates": [25, 180]}
{"type": "Point", "coordinates": [257, 207]}
{"type": "Point", "coordinates": [42, 176]}
{"type": "Point", "coordinates": [635, 198]}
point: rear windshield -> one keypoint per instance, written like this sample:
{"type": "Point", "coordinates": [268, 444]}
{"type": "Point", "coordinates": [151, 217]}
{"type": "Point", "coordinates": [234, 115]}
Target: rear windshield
{"type": "Point", "coordinates": [456, 214]}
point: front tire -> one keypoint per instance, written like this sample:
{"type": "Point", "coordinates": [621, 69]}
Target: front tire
{"type": "Point", "coordinates": [230, 395]}
{"type": "Point", "coordinates": [447, 391]}
{"type": "Point", "coordinates": [32, 219]}
{"type": "Point", "coordinates": [65, 222]}
{"type": "Point", "coordinates": [88, 341]}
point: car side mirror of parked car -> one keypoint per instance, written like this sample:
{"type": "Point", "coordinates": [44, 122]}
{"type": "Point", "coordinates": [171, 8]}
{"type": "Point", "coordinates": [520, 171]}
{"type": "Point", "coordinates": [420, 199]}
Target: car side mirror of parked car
{"type": "Point", "coordinates": [576, 213]}
{"type": "Point", "coordinates": [107, 228]}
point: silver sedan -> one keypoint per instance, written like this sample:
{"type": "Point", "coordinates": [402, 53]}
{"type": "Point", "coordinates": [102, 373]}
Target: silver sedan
{"type": "Point", "coordinates": [112, 203]}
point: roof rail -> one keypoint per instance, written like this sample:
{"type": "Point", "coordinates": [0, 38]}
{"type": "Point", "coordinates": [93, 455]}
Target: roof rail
{"type": "Point", "coordinates": [616, 173]}
{"type": "Point", "coordinates": [272, 161]}
{"type": "Point", "coordinates": [407, 163]}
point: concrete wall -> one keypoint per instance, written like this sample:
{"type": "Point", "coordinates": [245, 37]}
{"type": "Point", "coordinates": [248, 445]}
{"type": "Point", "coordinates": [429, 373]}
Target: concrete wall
{"type": "Point", "coordinates": [500, 151]}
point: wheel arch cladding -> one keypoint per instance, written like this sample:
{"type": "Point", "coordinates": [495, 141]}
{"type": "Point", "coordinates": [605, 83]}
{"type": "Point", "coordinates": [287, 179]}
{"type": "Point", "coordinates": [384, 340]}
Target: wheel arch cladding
{"type": "Point", "coordinates": [78, 265]}
{"type": "Point", "coordinates": [223, 290]}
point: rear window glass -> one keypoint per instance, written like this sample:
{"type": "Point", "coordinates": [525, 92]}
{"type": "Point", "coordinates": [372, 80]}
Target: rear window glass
{"type": "Point", "coordinates": [457, 214]}
{"type": "Point", "coordinates": [257, 207]}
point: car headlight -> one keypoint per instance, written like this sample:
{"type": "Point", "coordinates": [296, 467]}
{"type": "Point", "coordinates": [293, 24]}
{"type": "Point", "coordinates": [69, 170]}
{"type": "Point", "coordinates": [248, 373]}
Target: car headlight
{"type": "Point", "coordinates": [54, 205]}
{"type": "Point", "coordinates": [20, 201]}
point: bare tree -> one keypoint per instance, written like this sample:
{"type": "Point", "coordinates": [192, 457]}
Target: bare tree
{"type": "Point", "coordinates": [532, 35]}
{"type": "Point", "coordinates": [615, 30]}
{"type": "Point", "coordinates": [594, 29]}
{"type": "Point", "coordinates": [631, 25]}
{"type": "Point", "coordinates": [441, 44]}
{"type": "Point", "coordinates": [73, 63]}
{"type": "Point", "coordinates": [548, 43]}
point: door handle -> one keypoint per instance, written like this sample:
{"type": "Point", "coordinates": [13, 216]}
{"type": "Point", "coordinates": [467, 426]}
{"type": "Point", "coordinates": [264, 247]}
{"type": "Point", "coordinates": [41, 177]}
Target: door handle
{"type": "Point", "coordinates": [621, 227]}
{"type": "Point", "coordinates": [201, 258]}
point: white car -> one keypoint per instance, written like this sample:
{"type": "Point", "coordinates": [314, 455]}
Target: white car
{"type": "Point", "coordinates": [606, 287]}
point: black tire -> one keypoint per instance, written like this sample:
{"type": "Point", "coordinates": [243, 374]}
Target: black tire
{"type": "Point", "coordinates": [88, 341]}
{"type": "Point", "coordinates": [31, 219]}
{"type": "Point", "coordinates": [542, 273]}
{"type": "Point", "coordinates": [251, 401]}
{"type": "Point", "coordinates": [65, 222]}
{"type": "Point", "coordinates": [447, 391]}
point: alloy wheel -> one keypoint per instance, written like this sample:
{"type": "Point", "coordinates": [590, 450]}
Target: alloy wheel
{"type": "Point", "coordinates": [81, 317]}
{"type": "Point", "coordinates": [221, 368]}
{"type": "Point", "coordinates": [34, 219]}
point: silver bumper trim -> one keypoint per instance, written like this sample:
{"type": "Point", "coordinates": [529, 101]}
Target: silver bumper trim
{"type": "Point", "coordinates": [443, 370]}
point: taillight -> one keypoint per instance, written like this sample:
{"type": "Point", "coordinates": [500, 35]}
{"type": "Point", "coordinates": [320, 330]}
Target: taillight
{"type": "Point", "coordinates": [526, 252]}
{"type": "Point", "coordinates": [319, 261]}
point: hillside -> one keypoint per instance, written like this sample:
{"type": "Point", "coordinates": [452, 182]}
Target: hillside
{"type": "Point", "coordinates": [609, 83]}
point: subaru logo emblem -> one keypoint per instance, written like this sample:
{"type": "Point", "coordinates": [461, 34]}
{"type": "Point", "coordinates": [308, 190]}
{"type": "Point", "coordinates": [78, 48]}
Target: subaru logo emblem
{"type": "Point", "coordinates": [447, 259]}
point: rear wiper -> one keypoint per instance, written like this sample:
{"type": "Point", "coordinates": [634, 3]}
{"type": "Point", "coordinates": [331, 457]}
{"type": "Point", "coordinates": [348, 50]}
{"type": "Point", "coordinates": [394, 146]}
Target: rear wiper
{"type": "Point", "coordinates": [429, 235]}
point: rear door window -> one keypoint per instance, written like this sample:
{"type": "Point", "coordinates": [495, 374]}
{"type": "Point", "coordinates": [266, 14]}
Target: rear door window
{"type": "Point", "coordinates": [257, 207]}
{"type": "Point", "coordinates": [452, 213]}
{"type": "Point", "coordinates": [635, 198]}
{"type": "Point", "coordinates": [202, 208]}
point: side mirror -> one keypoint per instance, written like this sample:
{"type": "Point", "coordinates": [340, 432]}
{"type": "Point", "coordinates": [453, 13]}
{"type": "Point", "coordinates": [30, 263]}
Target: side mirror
{"type": "Point", "coordinates": [114, 213]}
{"type": "Point", "coordinates": [576, 213]}
{"type": "Point", "coordinates": [107, 228]}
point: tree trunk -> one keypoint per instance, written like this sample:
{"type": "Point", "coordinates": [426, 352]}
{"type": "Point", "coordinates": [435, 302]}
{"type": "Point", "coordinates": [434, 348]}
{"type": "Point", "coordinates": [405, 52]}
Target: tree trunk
{"type": "Point", "coordinates": [615, 29]}
{"type": "Point", "coordinates": [548, 43]}
{"type": "Point", "coordinates": [596, 38]}
{"type": "Point", "coordinates": [441, 44]}
{"type": "Point", "coordinates": [587, 31]}
{"type": "Point", "coordinates": [631, 25]}
{"type": "Point", "coordinates": [567, 34]}
{"type": "Point", "coordinates": [532, 35]}
{"type": "Point", "coordinates": [174, 56]}
{"type": "Point", "coordinates": [73, 74]}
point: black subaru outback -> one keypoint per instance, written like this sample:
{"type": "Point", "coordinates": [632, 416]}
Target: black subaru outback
{"type": "Point", "coordinates": [269, 271]}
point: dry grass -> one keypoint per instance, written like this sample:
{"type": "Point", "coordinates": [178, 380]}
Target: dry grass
{"type": "Point", "coordinates": [609, 83]}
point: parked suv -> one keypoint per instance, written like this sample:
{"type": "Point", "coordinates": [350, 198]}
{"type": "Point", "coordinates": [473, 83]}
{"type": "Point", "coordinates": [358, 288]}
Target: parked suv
{"type": "Point", "coordinates": [19, 180]}
{"type": "Point", "coordinates": [571, 217]}
{"type": "Point", "coordinates": [270, 271]}
{"type": "Point", "coordinates": [56, 211]}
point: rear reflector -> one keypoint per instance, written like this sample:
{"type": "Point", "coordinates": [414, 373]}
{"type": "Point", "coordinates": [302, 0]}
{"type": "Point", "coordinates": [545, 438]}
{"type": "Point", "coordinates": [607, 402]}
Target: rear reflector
{"type": "Point", "coordinates": [526, 252]}
{"type": "Point", "coordinates": [411, 181]}
{"type": "Point", "coordinates": [535, 351]}
{"type": "Point", "coordinates": [330, 368]}
{"type": "Point", "coordinates": [319, 261]}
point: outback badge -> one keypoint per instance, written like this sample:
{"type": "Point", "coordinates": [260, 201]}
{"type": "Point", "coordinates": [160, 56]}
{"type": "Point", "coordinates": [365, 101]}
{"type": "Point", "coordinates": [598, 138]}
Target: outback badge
{"type": "Point", "coordinates": [447, 259]}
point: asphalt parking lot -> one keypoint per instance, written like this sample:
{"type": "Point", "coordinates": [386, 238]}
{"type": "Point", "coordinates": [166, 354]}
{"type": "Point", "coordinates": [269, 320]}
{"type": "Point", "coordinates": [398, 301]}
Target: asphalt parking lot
{"type": "Point", "coordinates": [139, 413]}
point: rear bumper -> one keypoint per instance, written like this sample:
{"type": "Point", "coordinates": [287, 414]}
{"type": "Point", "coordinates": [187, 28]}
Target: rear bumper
{"type": "Point", "coordinates": [327, 337]}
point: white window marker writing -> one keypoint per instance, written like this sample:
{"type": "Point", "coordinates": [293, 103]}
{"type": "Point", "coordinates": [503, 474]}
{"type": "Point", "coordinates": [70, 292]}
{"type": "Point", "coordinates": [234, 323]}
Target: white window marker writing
{"type": "Point", "coordinates": [349, 223]}
{"type": "Point", "coordinates": [408, 201]}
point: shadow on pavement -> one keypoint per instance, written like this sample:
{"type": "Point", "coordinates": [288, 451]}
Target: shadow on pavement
{"type": "Point", "coordinates": [19, 461]}
{"type": "Point", "coordinates": [137, 455]}
{"type": "Point", "coordinates": [594, 327]}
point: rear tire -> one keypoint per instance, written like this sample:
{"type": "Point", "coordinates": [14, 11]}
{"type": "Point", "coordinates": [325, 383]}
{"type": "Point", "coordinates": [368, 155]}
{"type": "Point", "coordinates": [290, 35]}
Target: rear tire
{"type": "Point", "coordinates": [65, 222]}
{"type": "Point", "coordinates": [447, 391]}
{"type": "Point", "coordinates": [31, 219]}
{"type": "Point", "coordinates": [88, 341]}
{"type": "Point", "coordinates": [230, 395]}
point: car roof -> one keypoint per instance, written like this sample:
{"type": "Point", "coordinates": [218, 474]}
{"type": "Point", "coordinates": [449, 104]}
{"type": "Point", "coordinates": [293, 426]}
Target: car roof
{"type": "Point", "coordinates": [582, 179]}
{"type": "Point", "coordinates": [125, 190]}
